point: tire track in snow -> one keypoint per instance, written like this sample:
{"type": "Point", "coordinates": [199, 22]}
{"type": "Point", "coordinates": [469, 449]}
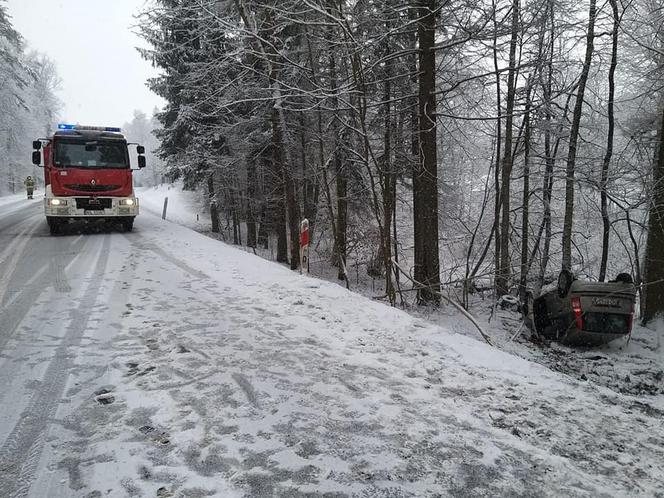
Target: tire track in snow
{"type": "Point", "coordinates": [21, 452]}
{"type": "Point", "coordinates": [15, 309]}
{"type": "Point", "coordinates": [60, 282]}
{"type": "Point", "coordinates": [246, 386]}
{"type": "Point", "coordinates": [13, 217]}
{"type": "Point", "coordinates": [149, 246]}
{"type": "Point", "coordinates": [12, 255]}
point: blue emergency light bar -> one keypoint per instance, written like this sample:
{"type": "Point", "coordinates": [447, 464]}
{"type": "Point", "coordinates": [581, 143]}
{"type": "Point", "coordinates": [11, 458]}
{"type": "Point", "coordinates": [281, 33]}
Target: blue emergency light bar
{"type": "Point", "coordinates": [62, 126]}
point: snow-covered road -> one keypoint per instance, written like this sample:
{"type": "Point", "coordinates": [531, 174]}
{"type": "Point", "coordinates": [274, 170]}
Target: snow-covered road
{"type": "Point", "coordinates": [164, 363]}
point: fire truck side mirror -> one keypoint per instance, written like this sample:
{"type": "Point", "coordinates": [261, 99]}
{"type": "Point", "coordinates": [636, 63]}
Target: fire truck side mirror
{"type": "Point", "coordinates": [140, 149]}
{"type": "Point", "coordinates": [36, 144]}
{"type": "Point", "coordinates": [141, 162]}
{"type": "Point", "coordinates": [36, 158]}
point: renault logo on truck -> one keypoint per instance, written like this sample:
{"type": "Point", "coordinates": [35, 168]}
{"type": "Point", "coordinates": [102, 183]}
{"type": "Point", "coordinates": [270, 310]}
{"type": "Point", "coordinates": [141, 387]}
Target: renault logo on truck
{"type": "Point", "coordinates": [93, 182]}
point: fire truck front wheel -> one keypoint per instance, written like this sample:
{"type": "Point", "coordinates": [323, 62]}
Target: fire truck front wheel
{"type": "Point", "coordinates": [54, 225]}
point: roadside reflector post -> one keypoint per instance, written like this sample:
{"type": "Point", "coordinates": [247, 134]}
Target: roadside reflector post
{"type": "Point", "coordinates": [304, 246]}
{"type": "Point", "coordinates": [163, 213]}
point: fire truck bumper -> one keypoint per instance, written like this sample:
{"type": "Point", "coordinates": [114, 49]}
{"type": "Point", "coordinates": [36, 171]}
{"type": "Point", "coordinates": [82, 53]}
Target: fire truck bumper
{"type": "Point", "coordinates": [86, 207]}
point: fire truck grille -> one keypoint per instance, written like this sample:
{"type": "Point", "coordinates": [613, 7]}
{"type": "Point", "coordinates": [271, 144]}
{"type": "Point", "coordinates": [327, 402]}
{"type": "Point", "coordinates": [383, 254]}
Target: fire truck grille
{"type": "Point", "coordinates": [92, 188]}
{"type": "Point", "coordinates": [93, 204]}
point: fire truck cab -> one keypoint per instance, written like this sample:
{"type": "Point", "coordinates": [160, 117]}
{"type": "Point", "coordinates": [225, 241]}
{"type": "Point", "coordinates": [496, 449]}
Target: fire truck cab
{"type": "Point", "coordinates": [87, 176]}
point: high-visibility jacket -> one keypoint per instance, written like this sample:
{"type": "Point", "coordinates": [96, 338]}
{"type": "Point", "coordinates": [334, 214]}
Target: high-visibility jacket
{"type": "Point", "coordinates": [29, 183]}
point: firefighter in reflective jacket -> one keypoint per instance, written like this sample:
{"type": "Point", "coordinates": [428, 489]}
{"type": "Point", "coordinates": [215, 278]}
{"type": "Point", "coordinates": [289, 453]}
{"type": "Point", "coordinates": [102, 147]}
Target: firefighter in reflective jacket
{"type": "Point", "coordinates": [29, 186]}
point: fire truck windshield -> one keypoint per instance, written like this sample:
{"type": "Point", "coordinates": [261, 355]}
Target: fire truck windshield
{"type": "Point", "coordinates": [91, 154]}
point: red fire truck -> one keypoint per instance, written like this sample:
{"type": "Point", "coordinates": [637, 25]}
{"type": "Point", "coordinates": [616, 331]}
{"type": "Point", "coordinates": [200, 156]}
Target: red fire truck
{"type": "Point", "coordinates": [87, 176]}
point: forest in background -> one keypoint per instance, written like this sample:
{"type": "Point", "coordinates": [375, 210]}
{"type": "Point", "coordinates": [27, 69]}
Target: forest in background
{"type": "Point", "coordinates": [28, 105]}
{"type": "Point", "coordinates": [141, 130]}
{"type": "Point", "coordinates": [477, 144]}
{"type": "Point", "coordinates": [30, 109]}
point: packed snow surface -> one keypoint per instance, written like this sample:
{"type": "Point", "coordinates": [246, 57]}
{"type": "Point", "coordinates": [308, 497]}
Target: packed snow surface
{"type": "Point", "coordinates": [196, 369]}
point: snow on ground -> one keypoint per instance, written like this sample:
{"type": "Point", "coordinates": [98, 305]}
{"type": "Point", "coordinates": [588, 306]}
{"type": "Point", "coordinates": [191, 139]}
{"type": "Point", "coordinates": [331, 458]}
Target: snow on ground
{"type": "Point", "coordinates": [207, 371]}
{"type": "Point", "coordinates": [284, 385]}
{"type": "Point", "coordinates": [7, 200]}
{"type": "Point", "coordinates": [184, 207]}
{"type": "Point", "coordinates": [635, 368]}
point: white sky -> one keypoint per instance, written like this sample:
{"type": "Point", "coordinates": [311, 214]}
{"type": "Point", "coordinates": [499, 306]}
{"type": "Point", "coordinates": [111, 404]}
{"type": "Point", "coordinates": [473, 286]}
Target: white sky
{"type": "Point", "coordinates": [90, 41]}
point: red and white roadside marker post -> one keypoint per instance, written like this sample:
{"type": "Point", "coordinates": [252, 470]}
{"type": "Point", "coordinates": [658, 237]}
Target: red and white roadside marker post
{"type": "Point", "coordinates": [304, 246]}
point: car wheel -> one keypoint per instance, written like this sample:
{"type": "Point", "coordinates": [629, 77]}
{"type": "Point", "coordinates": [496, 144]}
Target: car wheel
{"type": "Point", "coordinates": [625, 278]}
{"type": "Point", "coordinates": [565, 279]}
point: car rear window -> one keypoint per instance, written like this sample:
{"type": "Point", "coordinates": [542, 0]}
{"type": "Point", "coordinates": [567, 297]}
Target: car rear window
{"type": "Point", "coordinates": [608, 323]}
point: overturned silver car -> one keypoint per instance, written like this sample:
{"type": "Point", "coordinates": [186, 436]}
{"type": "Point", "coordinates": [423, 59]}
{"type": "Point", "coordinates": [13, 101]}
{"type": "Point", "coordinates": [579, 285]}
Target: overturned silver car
{"type": "Point", "coordinates": [585, 313]}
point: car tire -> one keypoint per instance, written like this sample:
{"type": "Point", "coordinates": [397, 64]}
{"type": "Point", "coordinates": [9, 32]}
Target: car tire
{"type": "Point", "coordinates": [565, 279]}
{"type": "Point", "coordinates": [625, 278]}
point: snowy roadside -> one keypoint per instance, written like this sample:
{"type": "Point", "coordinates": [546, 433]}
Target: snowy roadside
{"type": "Point", "coordinates": [16, 198]}
{"type": "Point", "coordinates": [208, 371]}
{"type": "Point", "coordinates": [636, 368]}
{"type": "Point", "coordinates": [8, 199]}
{"type": "Point", "coordinates": [183, 207]}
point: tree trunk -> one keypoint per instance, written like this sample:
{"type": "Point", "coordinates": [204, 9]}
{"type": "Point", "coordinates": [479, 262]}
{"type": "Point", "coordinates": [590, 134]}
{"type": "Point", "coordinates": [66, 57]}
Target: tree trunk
{"type": "Point", "coordinates": [573, 140]}
{"type": "Point", "coordinates": [425, 176]}
{"type": "Point", "coordinates": [502, 283]}
{"type": "Point", "coordinates": [293, 220]}
{"type": "Point", "coordinates": [499, 140]}
{"type": "Point", "coordinates": [214, 209]}
{"type": "Point", "coordinates": [263, 231]}
{"type": "Point", "coordinates": [237, 229]}
{"type": "Point", "coordinates": [309, 186]}
{"type": "Point", "coordinates": [339, 169]}
{"type": "Point", "coordinates": [280, 207]}
{"type": "Point", "coordinates": [523, 280]}
{"type": "Point", "coordinates": [606, 223]}
{"type": "Point", "coordinates": [413, 14]}
{"type": "Point", "coordinates": [654, 259]}
{"type": "Point", "coordinates": [251, 202]}
{"type": "Point", "coordinates": [550, 160]}
{"type": "Point", "coordinates": [388, 178]}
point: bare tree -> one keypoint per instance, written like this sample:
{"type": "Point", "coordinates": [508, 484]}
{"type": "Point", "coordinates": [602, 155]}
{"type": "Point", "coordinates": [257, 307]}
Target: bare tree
{"type": "Point", "coordinates": [573, 140]}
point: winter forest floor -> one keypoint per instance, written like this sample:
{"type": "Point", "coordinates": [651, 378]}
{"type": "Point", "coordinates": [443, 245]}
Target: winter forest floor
{"type": "Point", "coordinates": [438, 414]}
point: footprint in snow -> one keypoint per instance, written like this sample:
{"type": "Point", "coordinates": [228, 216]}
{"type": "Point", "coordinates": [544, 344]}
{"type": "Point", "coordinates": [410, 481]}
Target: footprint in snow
{"type": "Point", "coordinates": [152, 344]}
{"type": "Point", "coordinates": [160, 437]}
{"type": "Point", "coordinates": [104, 396]}
{"type": "Point", "coordinates": [133, 368]}
{"type": "Point", "coordinates": [146, 371]}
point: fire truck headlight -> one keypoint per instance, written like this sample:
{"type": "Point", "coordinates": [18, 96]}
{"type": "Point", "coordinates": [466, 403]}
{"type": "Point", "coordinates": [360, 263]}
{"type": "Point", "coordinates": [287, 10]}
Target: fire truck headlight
{"type": "Point", "coordinates": [57, 202]}
{"type": "Point", "coordinates": [127, 202]}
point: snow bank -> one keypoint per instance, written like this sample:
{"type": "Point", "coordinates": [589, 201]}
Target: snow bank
{"type": "Point", "coordinates": [184, 207]}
